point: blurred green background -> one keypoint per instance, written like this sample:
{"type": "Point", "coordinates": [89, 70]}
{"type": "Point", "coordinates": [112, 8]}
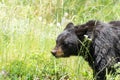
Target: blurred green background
{"type": "Point", "coordinates": [28, 29]}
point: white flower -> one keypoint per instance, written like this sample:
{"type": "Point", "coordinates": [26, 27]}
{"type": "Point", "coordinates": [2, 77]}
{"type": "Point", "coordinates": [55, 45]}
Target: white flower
{"type": "Point", "coordinates": [40, 18]}
{"type": "Point", "coordinates": [66, 14]}
{"type": "Point", "coordinates": [58, 24]}
{"type": "Point", "coordinates": [86, 36]}
{"type": "Point", "coordinates": [51, 24]}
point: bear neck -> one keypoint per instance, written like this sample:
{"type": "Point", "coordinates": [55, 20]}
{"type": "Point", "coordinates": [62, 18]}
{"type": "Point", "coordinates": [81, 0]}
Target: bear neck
{"type": "Point", "coordinates": [86, 51]}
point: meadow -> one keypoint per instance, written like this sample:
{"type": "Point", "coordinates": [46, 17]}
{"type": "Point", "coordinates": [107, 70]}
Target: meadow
{"type": "Point", "coordinates": [28, 29]}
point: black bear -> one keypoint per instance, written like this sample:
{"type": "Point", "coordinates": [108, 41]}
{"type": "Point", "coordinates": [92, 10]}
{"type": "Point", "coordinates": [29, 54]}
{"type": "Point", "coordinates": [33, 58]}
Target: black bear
{"type": "Point", "coordinates": [104, 49]}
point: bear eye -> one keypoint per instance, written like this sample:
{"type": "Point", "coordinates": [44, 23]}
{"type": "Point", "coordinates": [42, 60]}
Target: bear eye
{"type": "Point", "coordinates": [65, 43]}
{"type": "Point", "coordinates": [70, 45]}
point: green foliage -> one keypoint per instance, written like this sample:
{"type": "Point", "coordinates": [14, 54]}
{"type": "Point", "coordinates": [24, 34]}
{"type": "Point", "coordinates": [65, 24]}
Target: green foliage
{"type": "Point", "coordinates": [28, 29]}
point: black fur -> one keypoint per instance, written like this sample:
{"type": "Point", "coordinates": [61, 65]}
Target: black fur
{"type": "Point", "coordinates": [104, 48]}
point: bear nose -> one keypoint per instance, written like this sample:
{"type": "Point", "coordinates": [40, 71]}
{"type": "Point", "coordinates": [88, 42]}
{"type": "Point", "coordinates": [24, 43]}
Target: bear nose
{"type": "Point", "coordinates": [53, 52]}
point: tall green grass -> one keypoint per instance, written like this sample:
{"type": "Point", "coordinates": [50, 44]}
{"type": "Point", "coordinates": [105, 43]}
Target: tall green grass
{"type": "Point", "coordinates": [28, 29]}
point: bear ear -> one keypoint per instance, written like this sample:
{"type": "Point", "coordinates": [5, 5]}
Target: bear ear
{"type": "Point", "coordinates": [69, 26]}
{"type": "Point", "coordinates": [86, 29]}
{"type": "Point", "coordinates": [92, 23]}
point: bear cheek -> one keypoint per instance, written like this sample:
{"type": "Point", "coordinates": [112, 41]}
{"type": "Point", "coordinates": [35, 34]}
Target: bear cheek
{"type": "Point", "coordinates": [57, 52]}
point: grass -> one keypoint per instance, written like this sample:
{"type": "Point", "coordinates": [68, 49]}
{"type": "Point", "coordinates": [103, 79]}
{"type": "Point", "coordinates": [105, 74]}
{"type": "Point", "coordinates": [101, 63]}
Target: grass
{"type": "Point", "coordinates": [28, 29]}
